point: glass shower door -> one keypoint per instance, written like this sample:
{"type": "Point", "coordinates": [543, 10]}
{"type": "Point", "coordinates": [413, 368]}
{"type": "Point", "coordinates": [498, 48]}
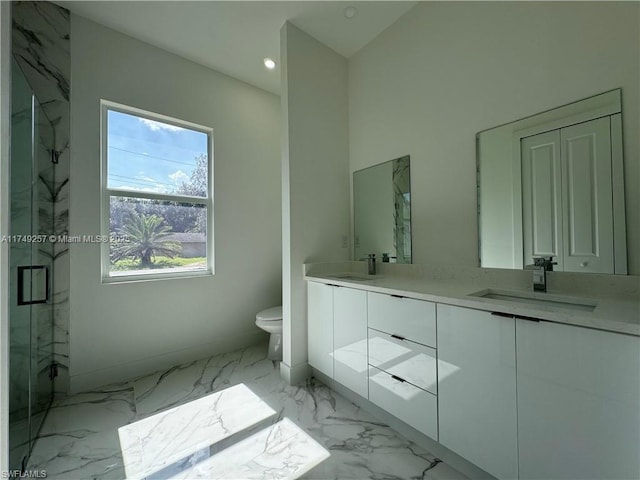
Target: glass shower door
{"type": "Point", "coordinates": [20, 254]}
{"type": "Point", "coordinates": [31, 313]}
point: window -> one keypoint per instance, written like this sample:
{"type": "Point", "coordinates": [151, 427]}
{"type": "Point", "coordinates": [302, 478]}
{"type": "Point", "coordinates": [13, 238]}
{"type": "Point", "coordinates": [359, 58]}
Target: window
{"type": "Point", "coordinates": [156, 196]}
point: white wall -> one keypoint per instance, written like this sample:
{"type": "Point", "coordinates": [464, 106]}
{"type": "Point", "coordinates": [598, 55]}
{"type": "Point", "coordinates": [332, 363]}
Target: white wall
{"type": "Point", "coordinates": [446, 70]}
{"type": "Point", "coordinates": [315, 168]}
{"type": "Point", "coordinates": [121, 330]}
{"type": "Point", "coordinates": [5, 121]}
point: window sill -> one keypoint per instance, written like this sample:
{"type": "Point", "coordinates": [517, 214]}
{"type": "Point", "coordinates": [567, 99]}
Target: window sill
{"type": "Point", "coordinates": [134, 276]}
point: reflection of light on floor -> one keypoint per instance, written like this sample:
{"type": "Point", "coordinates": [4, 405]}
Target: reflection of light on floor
{"type": "Point", "coordinates": [283, 450]}
{"type": "Point", "coordinates": [353, 356]}
{"type": "Point", "coordinates": [171, 443]}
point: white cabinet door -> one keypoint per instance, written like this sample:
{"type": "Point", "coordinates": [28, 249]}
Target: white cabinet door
{"type": "Point", "coordinates": [477, 388]}
{"type": "Point", "coordinates": [578, 402]}
{"type": "Point", "coordinates": [587, 197]}
{"type": "Point", "coordinates": [350, 339]}
{"type": "Point", "coordinates": [320, 326]}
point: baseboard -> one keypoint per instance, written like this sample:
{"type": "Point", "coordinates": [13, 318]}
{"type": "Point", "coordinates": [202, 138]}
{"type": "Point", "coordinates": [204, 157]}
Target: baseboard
{"type": "Point", "coordinates": [440, 451]}
{"type": "Point", "coordinates": [127, 371]}
{"type": "Point", "coordinates": [295, 375]}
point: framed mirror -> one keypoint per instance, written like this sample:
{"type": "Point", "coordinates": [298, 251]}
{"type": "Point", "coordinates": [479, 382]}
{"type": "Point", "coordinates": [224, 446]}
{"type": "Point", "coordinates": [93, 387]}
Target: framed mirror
{"type": "Point", "coordinates": [552, 185]}
{"type": "Point", "coordinates": [382, 211]}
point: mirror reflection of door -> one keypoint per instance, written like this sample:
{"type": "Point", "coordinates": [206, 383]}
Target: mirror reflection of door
{"type": "Point", "coordinates": [567, 197]}
{"type": "Point", "coordinates": [553, 184]}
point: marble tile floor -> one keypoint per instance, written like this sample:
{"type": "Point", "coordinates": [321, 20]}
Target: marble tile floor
{"type": "Point", "coordinates": [310, 424]}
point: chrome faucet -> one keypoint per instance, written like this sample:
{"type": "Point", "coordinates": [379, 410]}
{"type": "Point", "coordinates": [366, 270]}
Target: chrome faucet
{"type": "Point", "coordinates": [540, 267]}
{"type": "Point", "coordinates": [371, 263]}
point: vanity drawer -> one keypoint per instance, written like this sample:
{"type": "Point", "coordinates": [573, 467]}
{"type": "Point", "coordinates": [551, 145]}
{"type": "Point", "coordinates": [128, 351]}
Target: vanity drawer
{"type": "Point", "coordinates": [409, 403]}
{"type": "Point", "coordinates": [408, 360]}
{"type": "Point", "coordinates": [405, 317]}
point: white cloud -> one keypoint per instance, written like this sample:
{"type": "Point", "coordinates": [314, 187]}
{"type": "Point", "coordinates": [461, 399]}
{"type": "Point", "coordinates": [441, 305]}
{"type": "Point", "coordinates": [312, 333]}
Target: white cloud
{"type": "Point", "coordinates": [155, 126]}
{"type": "Point", "coordinates": [146, 179]}
{"type": "Point", "coordinates": [178, 176]}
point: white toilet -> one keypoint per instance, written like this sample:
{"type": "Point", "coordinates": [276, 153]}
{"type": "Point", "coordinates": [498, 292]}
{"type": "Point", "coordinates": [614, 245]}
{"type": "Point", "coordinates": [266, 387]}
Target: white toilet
{"type": "Point", "coordinates": [270, 320]}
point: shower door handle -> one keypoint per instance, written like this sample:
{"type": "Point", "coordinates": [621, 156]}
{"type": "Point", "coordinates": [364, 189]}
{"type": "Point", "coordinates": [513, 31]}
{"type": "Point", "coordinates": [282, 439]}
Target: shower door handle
{"type": "Point", "coordinates": [33, 283]}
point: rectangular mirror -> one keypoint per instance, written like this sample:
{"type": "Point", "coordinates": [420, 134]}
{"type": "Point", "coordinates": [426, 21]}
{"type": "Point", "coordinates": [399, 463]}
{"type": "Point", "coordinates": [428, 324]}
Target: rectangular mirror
{"type": "Point", "coordinates": [382, 211]}
{"type": "Point", "coordinates": [552, 185]}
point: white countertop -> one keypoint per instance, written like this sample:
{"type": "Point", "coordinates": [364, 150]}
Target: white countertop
{"type": "Point", "coordinates": [614, 311]}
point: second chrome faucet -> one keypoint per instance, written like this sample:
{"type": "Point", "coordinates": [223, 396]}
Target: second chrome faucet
{"type": "Point", "coordinates": [371, 264]}
{"type": "Point", "coordinates": [540, 267]}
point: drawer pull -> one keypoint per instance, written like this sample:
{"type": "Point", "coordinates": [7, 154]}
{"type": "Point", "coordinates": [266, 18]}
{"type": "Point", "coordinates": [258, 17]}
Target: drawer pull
{"type": "Point", "coordinates": [501, 314]}
{"type": "Point", "coordinates": [397, 296]}
{"type": "Point", "coordinates": [401, 380]}
{"type": "Point", "coordinates": [530, 319]}
{"type": "Point", "coordinates": [397, 337]}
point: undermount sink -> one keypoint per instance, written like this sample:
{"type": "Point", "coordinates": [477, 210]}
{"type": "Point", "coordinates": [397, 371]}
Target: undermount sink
{"type": "Point", "coordinates": [353, 277]}
{"type": "Point", "coordinates": [533, 298]}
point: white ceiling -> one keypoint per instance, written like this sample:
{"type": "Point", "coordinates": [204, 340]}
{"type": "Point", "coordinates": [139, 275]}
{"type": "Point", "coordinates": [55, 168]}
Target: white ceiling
{"type": "Point", "coordinates": [233, 37]}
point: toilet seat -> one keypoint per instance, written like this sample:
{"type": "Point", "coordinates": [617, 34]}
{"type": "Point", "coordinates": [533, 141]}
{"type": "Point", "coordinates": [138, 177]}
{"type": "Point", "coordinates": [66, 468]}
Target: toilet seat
{"type": "Point", "coordinates": [270, 320]}
{"type": "Point", "coordinates": [270, 314]}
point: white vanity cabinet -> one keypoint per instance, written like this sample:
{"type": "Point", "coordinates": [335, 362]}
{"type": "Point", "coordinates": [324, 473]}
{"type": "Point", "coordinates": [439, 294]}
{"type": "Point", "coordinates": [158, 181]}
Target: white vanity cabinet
{"type": "Point", "coordinates": [477, 388]}
{"type": "Point", "coordinates": [520, 398]}
{"type": "Point", "coordinates": [337, 334]}
{"type": "Point", "coordinates": [403, 360]}
{"type": "Point", "coordinates": [405, 317]}
{"type": "Point", "coordinates": [320, 326]}
{"type": "Point", "coordinates": [350, 339]}
{"type": "Point", "coordinates": [578, 402]}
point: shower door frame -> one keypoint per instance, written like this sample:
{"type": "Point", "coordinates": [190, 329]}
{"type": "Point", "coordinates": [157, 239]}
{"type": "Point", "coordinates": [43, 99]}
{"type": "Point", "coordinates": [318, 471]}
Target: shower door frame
{"type": "Point", "coordinates": [5, 122]}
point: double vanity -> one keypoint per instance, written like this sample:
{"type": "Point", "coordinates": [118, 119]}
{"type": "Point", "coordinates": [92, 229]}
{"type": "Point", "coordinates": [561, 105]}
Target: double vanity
{"type": "Point", "coordinates": [521, 384]}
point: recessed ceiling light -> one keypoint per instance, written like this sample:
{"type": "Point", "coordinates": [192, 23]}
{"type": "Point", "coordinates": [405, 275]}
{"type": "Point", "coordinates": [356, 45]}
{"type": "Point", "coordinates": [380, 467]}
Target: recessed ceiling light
{"type": "Point", "coordinates": [350, 12]}
{"type": "Point", "coordinates": [269, 63]}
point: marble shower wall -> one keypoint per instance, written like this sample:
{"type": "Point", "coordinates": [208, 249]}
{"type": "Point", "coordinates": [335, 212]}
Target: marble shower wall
{"type": "Point", "coordinates": [41, 47]}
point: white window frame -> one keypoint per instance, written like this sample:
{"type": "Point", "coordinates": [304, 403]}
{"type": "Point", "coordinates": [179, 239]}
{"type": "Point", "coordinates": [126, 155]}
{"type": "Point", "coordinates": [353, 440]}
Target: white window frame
{"type": "Point", "coordinates": [107, 193]}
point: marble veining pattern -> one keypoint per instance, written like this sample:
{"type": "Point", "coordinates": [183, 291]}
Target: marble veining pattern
{"type": "Point", "coordinates": [261, 456]}
{"type": "Point", "coordinates": [160, 440]}
{"type": "Point", "coordinates": [79, 439]}
{"type": "Point", "coordinates": [41, 47]}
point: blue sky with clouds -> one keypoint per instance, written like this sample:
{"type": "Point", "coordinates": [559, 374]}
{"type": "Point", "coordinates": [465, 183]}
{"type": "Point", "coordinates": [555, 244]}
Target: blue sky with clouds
{"type": "Point", "coordinates": [147, 155]}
